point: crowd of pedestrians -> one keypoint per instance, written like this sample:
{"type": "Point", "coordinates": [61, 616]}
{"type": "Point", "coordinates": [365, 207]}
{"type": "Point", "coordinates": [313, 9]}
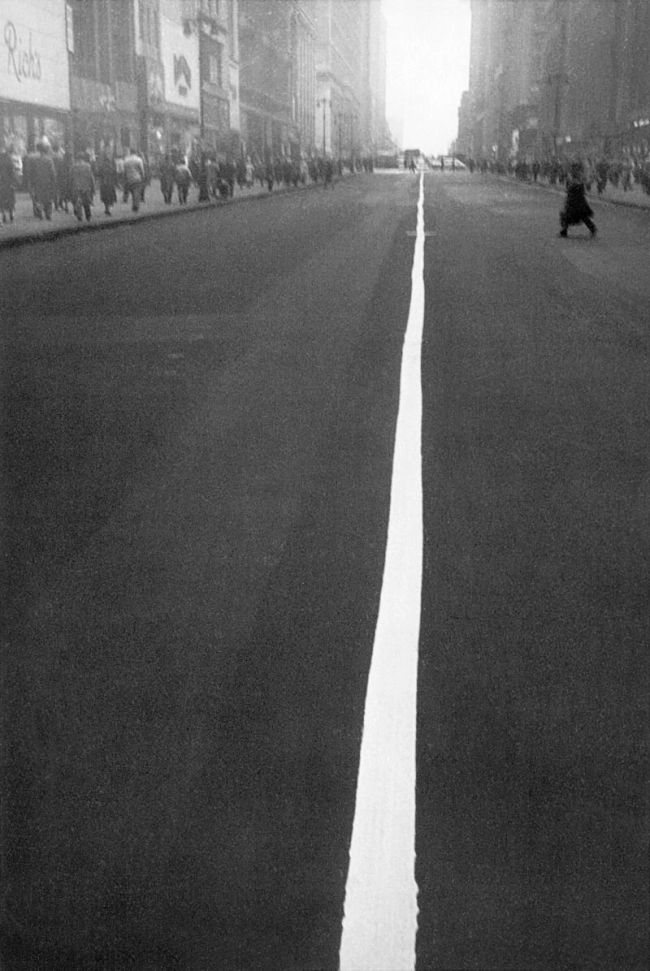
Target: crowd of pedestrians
{"type": "Point", "coordinates": [58, 181]}
{"type": "Point", "coordinates": [626, 172]}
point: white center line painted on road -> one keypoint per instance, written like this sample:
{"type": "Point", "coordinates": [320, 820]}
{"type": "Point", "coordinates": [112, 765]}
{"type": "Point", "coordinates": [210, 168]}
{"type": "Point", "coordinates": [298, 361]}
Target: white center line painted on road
{"type": "Point", "coordinates": [381, 911]}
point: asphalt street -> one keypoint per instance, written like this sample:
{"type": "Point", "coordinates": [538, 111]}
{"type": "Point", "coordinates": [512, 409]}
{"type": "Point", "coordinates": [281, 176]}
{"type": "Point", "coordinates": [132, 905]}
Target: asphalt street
{"type": "Point", "coordinates": [199, 421]}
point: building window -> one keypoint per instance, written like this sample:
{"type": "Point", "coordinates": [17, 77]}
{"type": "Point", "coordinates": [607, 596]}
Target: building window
{"type": "Point", "coordinates": [149, 25]}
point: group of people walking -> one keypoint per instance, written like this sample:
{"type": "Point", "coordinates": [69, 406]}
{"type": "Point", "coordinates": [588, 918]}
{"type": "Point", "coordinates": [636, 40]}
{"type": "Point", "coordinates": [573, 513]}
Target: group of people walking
{"type": "Point", "coordinates": [57, 180]}
{"type": "Point", "coordinates": [624, 172]}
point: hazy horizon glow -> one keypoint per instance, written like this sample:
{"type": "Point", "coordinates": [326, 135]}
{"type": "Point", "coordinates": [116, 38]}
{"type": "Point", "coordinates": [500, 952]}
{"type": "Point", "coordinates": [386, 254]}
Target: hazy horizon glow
{"type": "Point", "coordinates": [427, 71]}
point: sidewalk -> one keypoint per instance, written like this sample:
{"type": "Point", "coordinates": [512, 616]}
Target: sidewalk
{"type": "Point", "coordinates": [27, 228]}
{"type": "Point", "coordinates": [635, 198]}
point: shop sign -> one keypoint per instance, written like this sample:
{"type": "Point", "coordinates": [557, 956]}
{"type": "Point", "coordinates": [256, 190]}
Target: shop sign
{"type": "Point", "coordinates": [180, 57]}
{"type": "Point", "coordinates": [34, 59]}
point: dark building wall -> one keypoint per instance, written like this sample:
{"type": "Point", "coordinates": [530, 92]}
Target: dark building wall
{"type": "Point", "coordinates": [103, 76]}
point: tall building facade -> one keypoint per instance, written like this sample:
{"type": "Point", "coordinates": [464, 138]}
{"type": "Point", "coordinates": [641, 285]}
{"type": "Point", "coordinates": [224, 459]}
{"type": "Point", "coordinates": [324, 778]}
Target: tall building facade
{"type": "Point", "coordinates": [501, 113]}
{"type": "Point", "coordinates": [215, 23]}
{"type": "Point", "coordinates": [265, 77]}
{"type": "Point", "coordinates": [350, 76]}
{"type": "Point", "coordinates": [154, 75]}
{"type": "Point", "coordinates": [558, 77]}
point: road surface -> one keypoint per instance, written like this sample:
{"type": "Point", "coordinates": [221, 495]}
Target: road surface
{"type": "Point", "coordinates": [199, 436]}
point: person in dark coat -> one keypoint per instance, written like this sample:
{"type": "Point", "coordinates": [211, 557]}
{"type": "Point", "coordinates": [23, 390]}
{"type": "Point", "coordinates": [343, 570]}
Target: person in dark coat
{"type": "Point", "coordinates": [8, 181]}
{"type": "Point", "coordinates": [602, 174]}
{"type": "Point", "coordinates": [43, 181]}
{"type": "Point", "coordinates": [228, 173]}
{"type": "Point", "coordinates": [203, 179]}
{"type": "Point", "coordinates": [167, 175]}
{"type": "Point", "coordinates": [576, 208]}
{"type": "Point", "coordinates": [107, 178]}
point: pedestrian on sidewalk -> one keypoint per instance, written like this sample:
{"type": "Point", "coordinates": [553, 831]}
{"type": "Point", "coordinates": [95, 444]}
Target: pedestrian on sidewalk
{"type": "Point", "coordinates": [43, 184]}
{"type": "Point", "coordinates": [83, 186]}
{"type": "Point", "coordinates": [107, 177]}
{"type": "Point", "coordinates": [183, 179]}
{"type": "Point", "coordinates": [58, 157]}
{"type": "Point", "coordinates": [8, 184]}
{"type": "Point", "coordinates": [576, 208]}
{"type": "Point", "coordinates": [133, 179]}
{"type": "Point", "coordinates": [602, 174]}
{"type": "Point", "coordinates": [328, 173]}
{"type": "Point", "coordinates": [167, 171]}
{"type": "Point", "coordinates": [203, 178]}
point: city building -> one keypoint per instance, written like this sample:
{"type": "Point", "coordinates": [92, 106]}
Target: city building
{"type": "Point", "coordinates": [104, 90]}
{"type": "Point", "coordinates": [633, 108]}
{"type": "Point", "coordinates": [158, 76]}
{"type": "Point", "coordinates": [501, 115]}
{"type": "Point", "coordinates": [34, 73]}
{"type": "Point", "coordinates": [277, 70]}
{"type": "Point", "coordinates": [350, 77]}
{"type": "Point", "coordinates": [167, 54]}
{"type": "Point", "coordinates": [558, 78]}
{"type": "Point", "coordinates": [215, 23]}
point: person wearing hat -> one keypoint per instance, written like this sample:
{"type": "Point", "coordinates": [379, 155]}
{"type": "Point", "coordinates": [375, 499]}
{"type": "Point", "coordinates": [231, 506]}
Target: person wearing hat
{"type": "Point", "coordinates": [576, 208]}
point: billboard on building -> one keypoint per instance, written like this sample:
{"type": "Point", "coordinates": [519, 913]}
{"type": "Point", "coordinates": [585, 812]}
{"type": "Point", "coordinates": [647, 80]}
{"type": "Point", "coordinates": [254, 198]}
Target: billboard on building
{"type": "Point", "coordinates": [180, 58]}
{"type": "Point", "coordinates": [34, 65]}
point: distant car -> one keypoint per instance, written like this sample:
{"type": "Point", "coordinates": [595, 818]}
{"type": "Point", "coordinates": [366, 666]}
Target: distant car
{"type": "Point", "coordinates": [450, 162]}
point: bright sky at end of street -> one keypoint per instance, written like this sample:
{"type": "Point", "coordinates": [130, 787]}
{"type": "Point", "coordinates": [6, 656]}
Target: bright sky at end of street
{"type": "Point", "coordinates": [428, 70]}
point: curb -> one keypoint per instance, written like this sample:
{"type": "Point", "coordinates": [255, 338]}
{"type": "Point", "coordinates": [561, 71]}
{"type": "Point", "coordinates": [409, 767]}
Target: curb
{"type": "Point", "coordinates": [47, 236]}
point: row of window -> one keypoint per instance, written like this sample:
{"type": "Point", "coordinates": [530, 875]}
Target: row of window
{"type": "Point", "coordinates": [102, 36]}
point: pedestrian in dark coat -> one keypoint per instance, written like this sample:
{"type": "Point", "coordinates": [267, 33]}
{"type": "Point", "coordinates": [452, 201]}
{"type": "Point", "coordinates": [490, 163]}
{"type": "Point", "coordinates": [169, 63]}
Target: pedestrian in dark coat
{"type": "Point", "coordinates": [107, 178]}
{"type": "Point", "coordinates": [43, 181]}
{"type": "Point", "coordinates": [576, 208]}
{"type": "Point", "coordinates": [8, 181]}
{"type": "Point", "coordinates": [203, 180]}
{"type": "Point", "coordinates": [167, 173]}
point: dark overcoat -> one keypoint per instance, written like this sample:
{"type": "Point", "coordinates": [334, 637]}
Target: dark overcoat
{"type": "Point", "coordinates": [576, 207]}
{"type": "Point", "coordinates": [8, 181]}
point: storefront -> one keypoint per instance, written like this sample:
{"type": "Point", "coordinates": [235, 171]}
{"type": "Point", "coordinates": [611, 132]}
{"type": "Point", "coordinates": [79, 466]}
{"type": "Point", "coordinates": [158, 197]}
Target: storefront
{"type": "Point", "coordinates": [34, 73]}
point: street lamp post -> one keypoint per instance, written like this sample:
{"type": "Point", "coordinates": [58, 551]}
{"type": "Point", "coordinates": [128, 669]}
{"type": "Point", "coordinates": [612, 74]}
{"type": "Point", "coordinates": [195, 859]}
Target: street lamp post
{"type": "Point", "coordinates": [323, 102]}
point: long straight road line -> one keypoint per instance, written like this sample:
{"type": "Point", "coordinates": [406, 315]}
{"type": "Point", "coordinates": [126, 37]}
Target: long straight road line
{"type": "Point", "coordinates": [380, 922]}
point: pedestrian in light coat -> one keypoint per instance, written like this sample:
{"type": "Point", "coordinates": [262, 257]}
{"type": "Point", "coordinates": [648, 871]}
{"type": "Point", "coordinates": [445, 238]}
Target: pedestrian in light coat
{"type": "Point", "coordinates": [183, 179]}
{"type": "Point", "coordinates": [83, 186]}
{"type": "Point", "coordinates": [133, 179]}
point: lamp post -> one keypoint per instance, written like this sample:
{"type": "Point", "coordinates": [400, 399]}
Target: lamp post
{"type": "Point", "coordinates": [353, 118]}
{"type": "Point", "coordinates": [323, 102]}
